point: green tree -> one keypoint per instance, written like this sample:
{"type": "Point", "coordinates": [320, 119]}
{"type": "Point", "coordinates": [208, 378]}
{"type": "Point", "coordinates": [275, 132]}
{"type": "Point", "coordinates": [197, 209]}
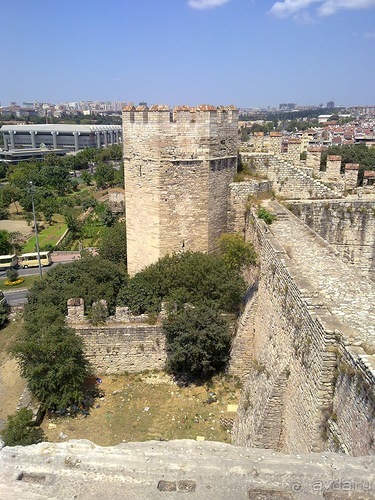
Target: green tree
{"type": "Point", "coordinates": [20, 430]}
{"type": "Point", "coordinates": [113, 244]}
{"type": "Point", "coordinates": [12, 275]}
{"type": "Point", "coordinates": [91, 278]}
{"type": "Point", "coordinates": [4, 314]}
{"type": "Point", "coordinates": [190, 277]}
{"type": "Point", "coordinates": [11, 194]}
{"type": "Point", "coordinates": [198, 341]}
{"type": "Point", "coordinates": [51, 359]}
{"type": "Point", "coordinates": [5, 245]}
{"type": "Point", "coordinates": [236, 252]}
{"type": "Point", "coordinates": [104, 175]}
{"type": "Point", "coordinates": [86, 177]}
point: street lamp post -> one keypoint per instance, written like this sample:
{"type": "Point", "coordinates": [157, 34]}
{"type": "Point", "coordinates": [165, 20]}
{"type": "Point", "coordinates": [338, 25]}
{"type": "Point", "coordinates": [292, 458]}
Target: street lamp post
{"type": "Point", "coordinates": [36, 228]}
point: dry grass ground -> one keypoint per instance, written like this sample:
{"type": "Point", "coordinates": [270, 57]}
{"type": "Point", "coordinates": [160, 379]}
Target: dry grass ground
{"type": "Point", "coordinates": [11, 383]}
{"type": "Point", "coordinates": [150, 407]}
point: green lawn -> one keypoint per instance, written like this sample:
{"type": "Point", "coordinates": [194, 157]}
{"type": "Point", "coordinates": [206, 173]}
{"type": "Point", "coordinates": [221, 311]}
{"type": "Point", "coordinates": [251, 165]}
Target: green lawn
{"type": "Point", "coordinates": [29, 280]}
{"type": "Point", "coordinates": [48, 236]}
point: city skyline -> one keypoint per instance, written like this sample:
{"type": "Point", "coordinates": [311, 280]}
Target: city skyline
{"type": "Point", "coordinates": [250, 53]}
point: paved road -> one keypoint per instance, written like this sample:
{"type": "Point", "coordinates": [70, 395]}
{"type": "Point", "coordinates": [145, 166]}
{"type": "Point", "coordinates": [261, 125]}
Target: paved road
{"type": "Point", "coordinates": [16, 297]}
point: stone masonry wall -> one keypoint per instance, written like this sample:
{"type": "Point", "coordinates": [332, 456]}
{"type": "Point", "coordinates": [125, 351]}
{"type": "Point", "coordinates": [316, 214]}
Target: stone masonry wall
{"type": "Point", "coordinates": [288, 180]}
{"type": "Point", "coordinates": [178, 167]}
{"type": "Point", "coordinates": [124, 343]}
{"type": "Point", "coordinates": [240, 192]}
{"type": "Point", "coordinates": [348, 225]}
{"type": "Point", "coordinates": [311, 384]}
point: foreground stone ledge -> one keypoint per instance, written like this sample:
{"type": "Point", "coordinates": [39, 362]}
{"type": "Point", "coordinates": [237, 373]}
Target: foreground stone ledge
{"type": "Point", "coordinates": [178, 469]}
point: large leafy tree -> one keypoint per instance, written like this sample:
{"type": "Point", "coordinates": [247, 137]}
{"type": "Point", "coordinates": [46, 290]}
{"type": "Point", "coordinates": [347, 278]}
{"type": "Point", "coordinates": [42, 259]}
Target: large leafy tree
{"type": "Point", "coordinates": [5, 244]}
{"type": "Point", "coordinates": [236, 253]}
{"type": "Point", "coordinates": [198, 341]}
{"type": "Point", "coordinates": [113, 243]}
{"type": "Point", "coordinates": [104, 175]}
{"type": "Point", "coordinates": [51, 359]}
{"type": "Point", "coordinates": [49, 353]}
{"type": "Point", "coordinates": [191, 277]}
{"type": "Point", "coordinates": [91, 278]}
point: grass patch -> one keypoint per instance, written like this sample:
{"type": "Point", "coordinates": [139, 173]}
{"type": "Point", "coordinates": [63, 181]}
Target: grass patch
{"type": "Point", "coordinates": [8, 334]}
{"type": "Point", "coordinates": [28, 282]}
{"type": "Point", "coordinates": [151, 407]}
{"type": "Point", "coordinates": [48, 236]}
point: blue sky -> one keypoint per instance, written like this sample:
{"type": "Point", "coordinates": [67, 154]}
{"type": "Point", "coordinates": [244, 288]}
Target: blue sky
{"type": "Point", "coordinates": [245, 52]}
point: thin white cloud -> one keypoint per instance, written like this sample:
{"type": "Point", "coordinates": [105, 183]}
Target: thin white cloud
{"type": "Point", "coordinates": [206, 4]}
{"type": "Point", "coordinates": [287, 8]}
{"type": "Point", "coordinates": [370, 35]}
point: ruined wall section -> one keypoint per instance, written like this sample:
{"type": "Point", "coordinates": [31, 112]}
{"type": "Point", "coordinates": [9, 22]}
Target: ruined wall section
{"type": "Point", "coordinates": [311, 380]}
{"type": "Point", "coordinates": [348, 225]}
{"type": "Point", "coordinates": [288, 180]}
{"type": "Point", "coordinates": [178, 167]}
{"type": "Point", "coordinates": [240, 195]}
{"type": "Point", "coordinates": [124, 343]}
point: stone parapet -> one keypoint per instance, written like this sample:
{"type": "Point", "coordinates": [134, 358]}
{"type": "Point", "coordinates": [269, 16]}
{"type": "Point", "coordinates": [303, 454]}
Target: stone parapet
{"type": "Point", "coordinates": [179, 469]}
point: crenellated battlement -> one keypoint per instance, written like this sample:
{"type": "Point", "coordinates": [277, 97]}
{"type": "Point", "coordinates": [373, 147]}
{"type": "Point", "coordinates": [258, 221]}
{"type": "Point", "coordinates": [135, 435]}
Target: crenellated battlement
{"type": "Point", "coordinates": [161, 113]}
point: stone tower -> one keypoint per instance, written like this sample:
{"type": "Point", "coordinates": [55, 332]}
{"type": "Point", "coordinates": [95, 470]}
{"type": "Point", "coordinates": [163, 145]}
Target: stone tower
{"type": "Point", "coordinates": [178, 167]}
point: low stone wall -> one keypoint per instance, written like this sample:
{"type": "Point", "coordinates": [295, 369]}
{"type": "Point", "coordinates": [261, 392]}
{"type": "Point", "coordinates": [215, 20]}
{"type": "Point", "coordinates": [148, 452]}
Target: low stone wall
{"type": "Point", "coordinates": [240, 192]}
{"type": "Point", "coordinates": [127, 348]}
{"type": "Point", "coordinates": [124, 343]}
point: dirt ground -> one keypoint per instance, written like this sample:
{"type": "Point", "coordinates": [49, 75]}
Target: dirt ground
{"type": "Point", "coordinates": [130, 407]}
{"type": "Point", "coordinates": [151, 407]}
{"type": "Point", "coordinates": [19, 226]}
{"type": "Point", "coordinates": [11, 383]}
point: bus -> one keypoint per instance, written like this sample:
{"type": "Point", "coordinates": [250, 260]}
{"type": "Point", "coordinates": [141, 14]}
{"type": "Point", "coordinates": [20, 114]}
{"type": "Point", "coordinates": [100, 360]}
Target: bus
{"type": "Point", "coordinates": [8, 262]}
{"type": "Point", "coordinates": [31, 259]}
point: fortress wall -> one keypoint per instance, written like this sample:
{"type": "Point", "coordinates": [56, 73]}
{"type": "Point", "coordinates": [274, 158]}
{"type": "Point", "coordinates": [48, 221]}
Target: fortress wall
{"type": "Point", "coordinates": [297, 396]}
{"type": "Point", "coordinates": [288, 180]}
{"type": "Point", "coordinates": [124, 348]}
{"type": "Point", "coordinates": [350, 425]}
{"type": "Point", "coordinates": [289, 381]}
{"type": "Point", "coordinates": [124, 343]}
{"type": "Point", "coordinates": [240, 192]}
{"type": "Point", "coordinates": [183, 201]}
{"type": "Point", "coordinates": [142, 180]}
{"type": "Point", "coordinates": [348, 225]}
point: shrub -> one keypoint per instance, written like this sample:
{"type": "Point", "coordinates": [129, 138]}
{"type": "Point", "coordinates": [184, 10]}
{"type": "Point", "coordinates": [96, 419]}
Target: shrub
{"type": "Point", "coordinates": [236, 252]}
{"type": "Point", "coordinates": [12, 275]}
{"type": "Point", "coordinates": [191, 277]}
{"type": "Point", "coordinates": [198, 341]}
{"type": "Point", "coordinates": [265, 215]}
{"type": "Point", "coordinates": [20, 430]}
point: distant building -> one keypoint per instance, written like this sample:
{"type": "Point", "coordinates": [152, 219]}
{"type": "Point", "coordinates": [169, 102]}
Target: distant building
{"type": "Point", "coordinates": [68, 137]}
{"type": "Point", "coordinates": [290, 106]}
{"type": "Point", "coordinates": [330, 105]}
